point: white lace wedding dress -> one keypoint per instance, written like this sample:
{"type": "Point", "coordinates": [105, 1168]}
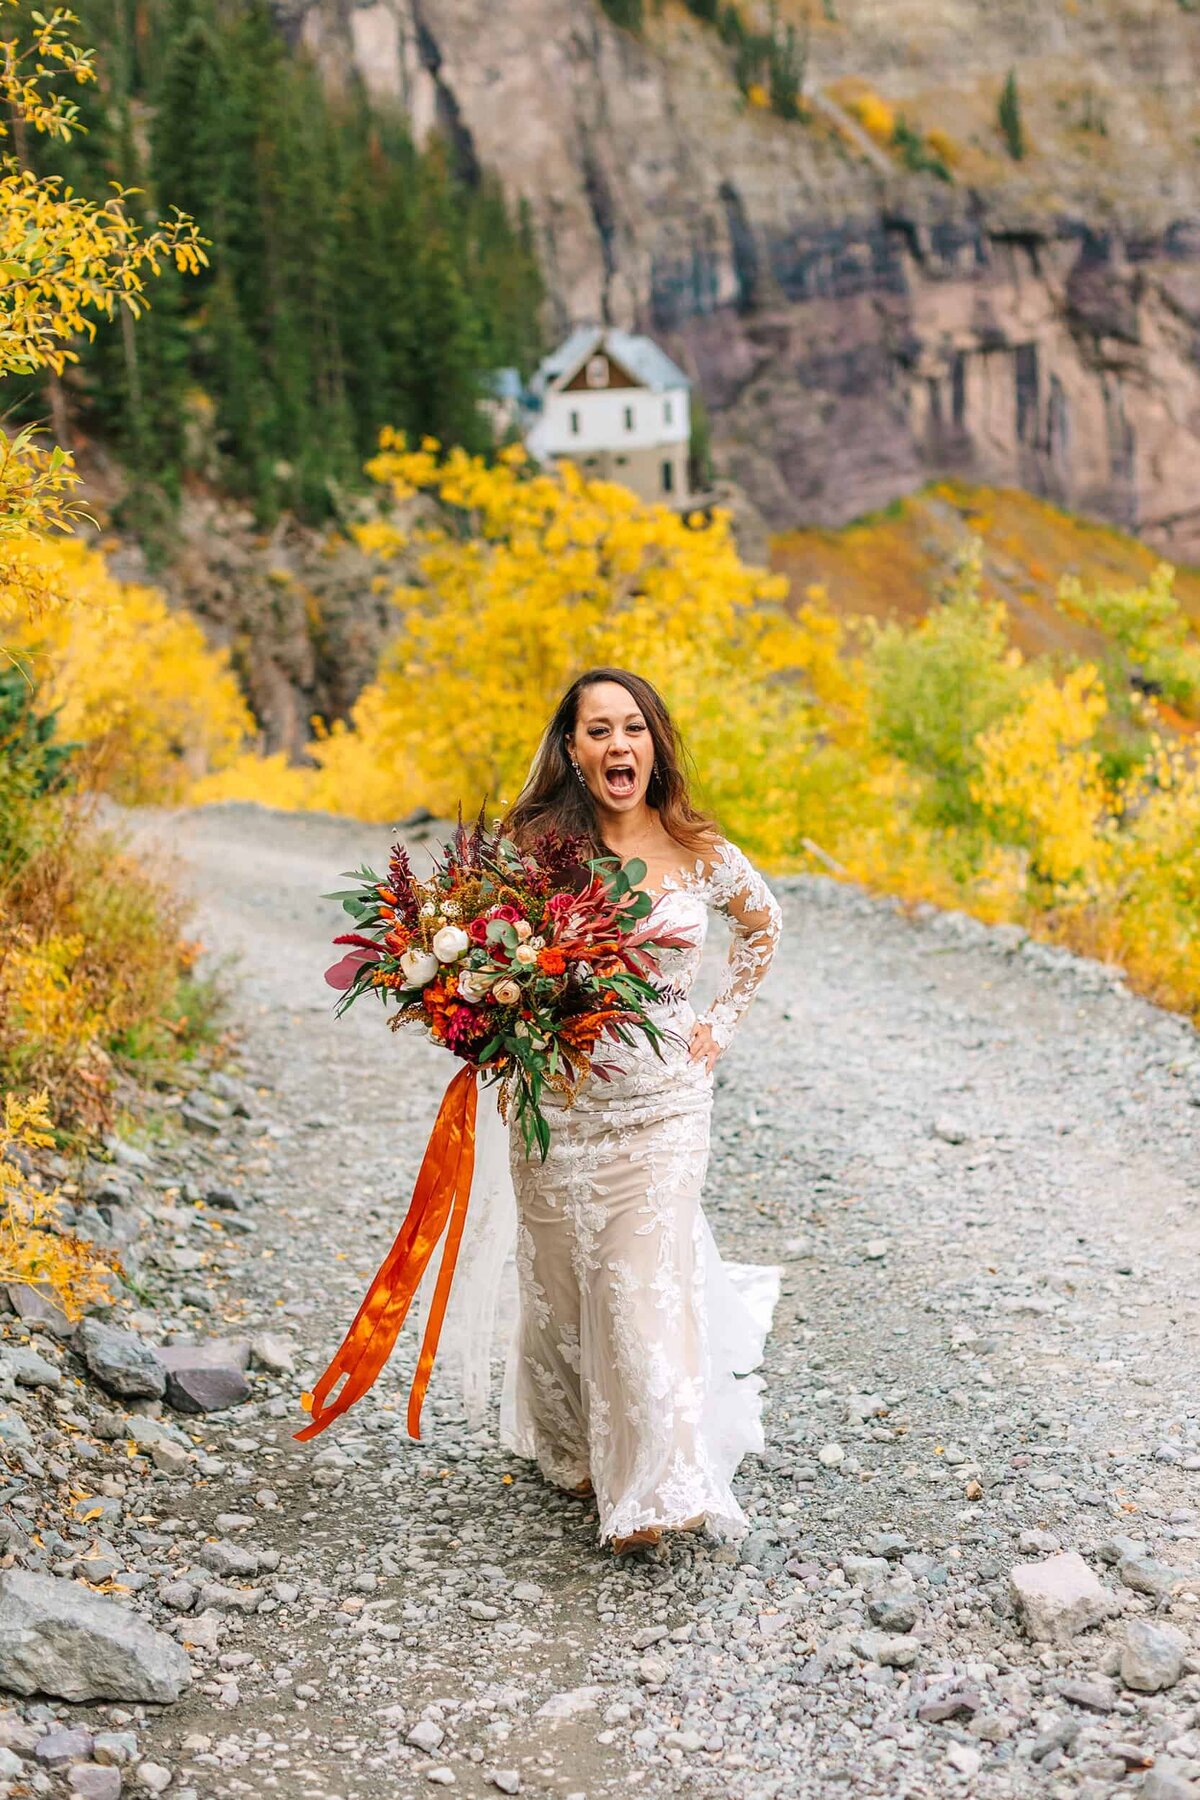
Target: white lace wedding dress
{"type": "Point", "coordinates": [634, 1340]}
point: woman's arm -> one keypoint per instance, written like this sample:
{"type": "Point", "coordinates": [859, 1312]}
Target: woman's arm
{"type": "Point", "coordinates": [736, 889]}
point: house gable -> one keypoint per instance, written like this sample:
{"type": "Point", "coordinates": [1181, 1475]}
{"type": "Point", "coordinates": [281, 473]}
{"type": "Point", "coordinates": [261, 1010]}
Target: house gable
{"type": "Point", "coordinates": [616, 376]}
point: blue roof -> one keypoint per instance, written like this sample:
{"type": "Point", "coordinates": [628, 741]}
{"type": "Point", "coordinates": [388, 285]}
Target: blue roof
{"type": "Point", "coordinates": [641, 356]}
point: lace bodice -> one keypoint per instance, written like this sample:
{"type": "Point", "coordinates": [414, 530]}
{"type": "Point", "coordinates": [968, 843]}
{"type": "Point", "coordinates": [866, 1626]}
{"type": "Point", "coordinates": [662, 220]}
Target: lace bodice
{"type": "Point", "coordinates": [728, 883]}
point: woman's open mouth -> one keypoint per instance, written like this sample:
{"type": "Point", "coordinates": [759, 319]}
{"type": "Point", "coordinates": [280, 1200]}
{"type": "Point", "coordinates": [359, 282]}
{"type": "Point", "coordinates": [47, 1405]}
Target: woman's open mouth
{"type": "Point", "coordinates": [620, 780]}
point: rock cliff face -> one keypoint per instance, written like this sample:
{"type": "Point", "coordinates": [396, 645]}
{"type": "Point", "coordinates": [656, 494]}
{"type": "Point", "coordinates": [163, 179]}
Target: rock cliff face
{"type": "Point", "coordinates": [856, 327]}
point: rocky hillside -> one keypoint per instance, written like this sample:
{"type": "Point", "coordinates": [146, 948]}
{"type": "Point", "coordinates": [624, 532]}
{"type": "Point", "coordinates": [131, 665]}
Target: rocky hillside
{"type": "Point", "coordinates": [854, 324]}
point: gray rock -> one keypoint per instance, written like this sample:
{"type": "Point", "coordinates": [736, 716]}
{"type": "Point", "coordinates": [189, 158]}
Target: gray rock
{"type": "Point", "coordinates": [121, 1362]}
{"type": "Point", "coordinates": [202, 1631]}
{"type": "Point", "coordinates": [170, 1458]}
{"type": "Point", "coordinates": [865, 1571]}
{"type": "Point", "coordinates": [1145, 1575]}
{"type": "Point", "coordinates": [95, 1781]}
{"type": "Point", "coordinates": [1059, 1597]}
{"type": "Point", "coordinates": [571, 1703]}
{"type": "Point", "coordinates": [14, 1430]}
{"type": "Point", "coordinates": [153, 1777]}
{"type": "Point", "coordinates": [888, 1649]}
{"type": "Point", "coordinates": [891, 1544]}
{"type": "Point", "coordinates": [180, 1596]}
{"type": "Point", "coordinates": [1096, 1695]}
{"type": "Point", "coordinates": [58, 1638]}
{"type": "Point", "coordinates": [216, 1596]}
{"type": "Point", "coordinates": [60, 1748]}
{"type": "Point", "coordinates": [271, 1351]}
{"type": "Point", "coordinates": [200, 1123]}
{"type": "Point", "coordinates": [28, 1368]}
{"type": "Point", "coordinates": [118, 1747]}
{"type": "Point", "coordinates": [36, 1306]}
{"type": "Point", "coordinates": [948, 1704]}
{"type": "Point", "coordinates": [507, 1780]}
{"type": "Point", "coordinates": [894, 1612]}
{"type": "Point", "coordinates": [425, 1735]}
{"type": "Point", "coordinates": [1170, 1779]}
{"type": "Point", "coordinates": [1118, 1548]}
{"type": "Point", "coordinates": [228, 1559]}
{"type": "Point", "coordinates": [1152, 1656]}
{"type": "Point", "coordinates": [206, 1377]}
{"type": "Point", "coordinates": [127, 1156]}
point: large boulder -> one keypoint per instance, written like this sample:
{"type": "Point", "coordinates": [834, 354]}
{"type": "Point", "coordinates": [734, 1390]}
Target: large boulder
{"type": "Point", "coordinates": [58, 1638]}
{"type": "Point", "coordinates": [1058, 1597]}
{"type": "Point", "coordinates": [205, 1378]}
{"type": "Point", "coordinates": [121, 1362]}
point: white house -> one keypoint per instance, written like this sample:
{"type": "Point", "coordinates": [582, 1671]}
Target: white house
{"type": "Point", "coordinates": [616, 405]}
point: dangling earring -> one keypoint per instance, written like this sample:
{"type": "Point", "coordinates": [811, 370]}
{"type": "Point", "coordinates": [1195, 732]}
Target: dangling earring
{"type": "Point", "coordinates": [579, 772]}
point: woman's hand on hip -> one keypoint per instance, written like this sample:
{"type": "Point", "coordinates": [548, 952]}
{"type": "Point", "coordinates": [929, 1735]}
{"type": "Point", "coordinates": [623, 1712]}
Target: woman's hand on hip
{"type": "Point", "coordinates": [703, 1046]}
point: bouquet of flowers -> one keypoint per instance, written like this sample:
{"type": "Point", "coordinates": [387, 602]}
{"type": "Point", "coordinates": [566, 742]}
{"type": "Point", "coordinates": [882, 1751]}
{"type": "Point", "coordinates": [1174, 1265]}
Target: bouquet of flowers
{"type": "Point", "coordinates": [522, 963]}
{"type": "Point", "coordinates": [519, 963]}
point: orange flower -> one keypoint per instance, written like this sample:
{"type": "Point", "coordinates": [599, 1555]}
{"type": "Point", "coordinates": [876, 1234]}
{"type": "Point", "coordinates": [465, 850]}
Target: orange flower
{"type": "Point", "coordinates": [551, 961]}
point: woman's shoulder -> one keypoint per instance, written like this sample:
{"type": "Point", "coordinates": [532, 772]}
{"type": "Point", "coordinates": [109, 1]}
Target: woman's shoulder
{"type": "Point", "coordinates": [719, 862]}
{"type": "Point", "coordinates": [730, 880]}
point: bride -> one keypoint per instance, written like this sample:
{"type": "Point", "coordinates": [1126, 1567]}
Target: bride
{"type": "Point", "coordinates": [634, 1339]}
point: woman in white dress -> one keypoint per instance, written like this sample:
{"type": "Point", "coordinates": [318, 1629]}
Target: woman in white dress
{"type": "Point", "coordinates": [634, 1340]}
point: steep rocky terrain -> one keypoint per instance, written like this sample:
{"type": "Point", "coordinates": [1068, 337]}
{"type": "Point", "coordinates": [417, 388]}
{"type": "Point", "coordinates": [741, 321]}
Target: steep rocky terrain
{"type": "Point", "coordinates": [856, 326]}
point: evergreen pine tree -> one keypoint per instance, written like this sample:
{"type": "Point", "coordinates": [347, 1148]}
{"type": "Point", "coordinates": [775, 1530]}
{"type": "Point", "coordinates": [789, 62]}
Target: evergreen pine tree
{"type": "Point", "coordinates": [1009, 115]}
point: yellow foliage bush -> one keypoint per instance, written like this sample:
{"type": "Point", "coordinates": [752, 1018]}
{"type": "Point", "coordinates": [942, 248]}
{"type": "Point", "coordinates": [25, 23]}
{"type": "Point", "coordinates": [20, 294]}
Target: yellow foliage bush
{"type": "Point", "coordinates": [135, 683]}
{"type": "Point", "coordinates": [34, 1247]}
{"type": "Point", "coordinates": [876, 117]}
{"type": "Point", "coordinates": [1041, 784]}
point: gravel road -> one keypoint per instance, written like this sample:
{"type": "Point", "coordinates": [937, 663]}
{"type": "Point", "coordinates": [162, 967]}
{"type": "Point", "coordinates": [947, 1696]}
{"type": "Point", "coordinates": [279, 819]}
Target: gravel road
{"type": "Point", "coordinates": [976, 1160]}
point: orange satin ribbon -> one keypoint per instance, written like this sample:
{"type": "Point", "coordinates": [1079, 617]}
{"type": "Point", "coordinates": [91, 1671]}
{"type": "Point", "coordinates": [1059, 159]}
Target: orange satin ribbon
{"type": "Point", "coordinates": [442, 1191]}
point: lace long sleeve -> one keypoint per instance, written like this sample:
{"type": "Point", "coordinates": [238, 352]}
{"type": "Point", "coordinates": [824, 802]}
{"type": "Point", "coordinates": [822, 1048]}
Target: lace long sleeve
{"type": "Point", "coordinates": [736, 889]}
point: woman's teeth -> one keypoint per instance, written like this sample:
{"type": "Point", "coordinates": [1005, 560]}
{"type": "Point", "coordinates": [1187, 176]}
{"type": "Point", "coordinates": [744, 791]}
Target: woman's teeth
{"type": "Point", "coordinates": [621, 780]}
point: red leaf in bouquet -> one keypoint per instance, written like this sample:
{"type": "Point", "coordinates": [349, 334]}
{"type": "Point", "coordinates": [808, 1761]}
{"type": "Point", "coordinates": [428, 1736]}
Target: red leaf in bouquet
{"type": "Point", "coordinates": [341, 974]}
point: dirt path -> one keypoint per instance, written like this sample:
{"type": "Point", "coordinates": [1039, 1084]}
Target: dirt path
{"type": "Point", "coordinates": [977, 1164]}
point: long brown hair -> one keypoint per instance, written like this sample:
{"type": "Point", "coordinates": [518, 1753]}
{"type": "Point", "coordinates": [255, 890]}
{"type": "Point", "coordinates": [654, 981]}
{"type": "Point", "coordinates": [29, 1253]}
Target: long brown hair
{"type": "Point", "coordinates": [554, 798]}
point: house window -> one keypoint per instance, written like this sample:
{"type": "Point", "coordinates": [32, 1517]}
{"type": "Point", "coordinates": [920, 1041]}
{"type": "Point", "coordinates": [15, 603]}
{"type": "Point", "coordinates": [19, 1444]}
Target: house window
{"type": "Point", "coordinates": [629, 418]}
{"type": "Point", "coordinates": [668, 478]}
{"type": "Point", "coordinates": [668, 413]}
{"type": "Point", "coordinates": [622, 460]}
{"type": "Point", "coordinates": [597, 371]}
{"type": "Point", "coordinates": [574, 424]}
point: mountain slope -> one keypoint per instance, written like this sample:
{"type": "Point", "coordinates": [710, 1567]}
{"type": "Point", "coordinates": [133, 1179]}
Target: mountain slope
{"type": "Point", "coordinates": [857, 326]}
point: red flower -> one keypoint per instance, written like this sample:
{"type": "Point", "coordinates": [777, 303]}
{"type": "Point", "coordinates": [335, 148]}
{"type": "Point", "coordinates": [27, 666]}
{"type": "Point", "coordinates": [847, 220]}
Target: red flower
{"type": "Point", "coordinates": [551, 961]}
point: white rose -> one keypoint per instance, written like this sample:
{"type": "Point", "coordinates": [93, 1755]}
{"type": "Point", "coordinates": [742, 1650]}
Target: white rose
{"type": "Point", "coordinates": [419, 967]}
{"type": "Point", "coordinates": [525, 954]}
{"type": "Point", "coordinates": [522, 928]}
{"type": "Point", "coordinates": [506, 992]}
{"type": "Point", "coordinates": [537, 943]}
{"type": "Point", "coordinates": [450, 943]}
{"type": "Point", "coordinates": [474, 984]}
